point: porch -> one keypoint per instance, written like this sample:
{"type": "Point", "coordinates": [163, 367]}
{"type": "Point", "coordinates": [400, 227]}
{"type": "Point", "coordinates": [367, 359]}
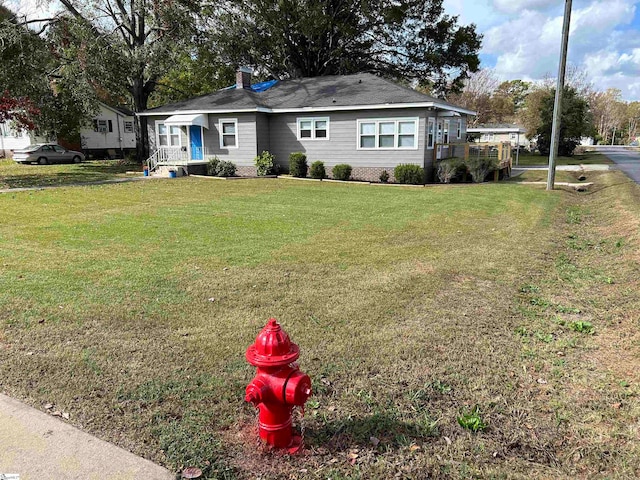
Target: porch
{"type": "Point", "coordinates": [178, 157]}
{"type": "Point", "coordinates": [499, 152]}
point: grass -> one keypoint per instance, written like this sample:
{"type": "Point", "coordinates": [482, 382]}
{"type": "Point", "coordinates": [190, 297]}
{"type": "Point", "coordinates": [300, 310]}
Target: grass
{"type": "Point", "coordinates": [413, 308]}
{"type": "Point", "coordinates": [14, 175]}
{"type": "Point", "coordinates": [588, 158]}
{"type": "Point", "coordinates": [541, 176]}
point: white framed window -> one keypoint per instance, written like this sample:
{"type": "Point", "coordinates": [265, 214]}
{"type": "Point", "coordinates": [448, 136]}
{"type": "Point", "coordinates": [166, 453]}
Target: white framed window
{"type": "Point", "coordinates": [128, 126]}
{"type": "Point", "coordinates": [228, 129]}
{"type": "Point", "coordinates": [445, 139]}
{"type": "Point", "coordinates": [313, 128]}
{"type": "Point", "coordinates": [168, 136]}
{"type": "Point", "coordinates": [388, 134]}
{"type": "Point", "coordinates": [459, 129]}
{"type": "Point", "coordinates": [431, 132]}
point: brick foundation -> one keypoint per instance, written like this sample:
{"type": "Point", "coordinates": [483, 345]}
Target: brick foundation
{"type": "Point", "coordinates": [369, 174]}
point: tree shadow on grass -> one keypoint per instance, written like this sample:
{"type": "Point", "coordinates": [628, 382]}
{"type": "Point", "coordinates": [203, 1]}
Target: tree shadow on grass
{"type": "Point", "coordinates": [341, 434]}
{"type": "Point", "coordinates": [52, 175]}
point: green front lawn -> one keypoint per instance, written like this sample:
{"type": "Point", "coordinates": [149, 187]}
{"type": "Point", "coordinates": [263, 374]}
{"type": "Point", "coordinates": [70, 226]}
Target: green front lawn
{"type": "Point", "coordinates": [534, 159]}
{"type": "Point", "coordinates": [14, 175]}
{"type": "Point", "coordinates": [130, 307]}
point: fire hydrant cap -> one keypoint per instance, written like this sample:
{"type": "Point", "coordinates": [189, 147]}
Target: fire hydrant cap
{"type": "Point", "coordinates": [272, 347]}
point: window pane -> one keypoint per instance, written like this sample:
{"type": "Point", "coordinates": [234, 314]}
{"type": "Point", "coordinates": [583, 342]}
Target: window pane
{"type": "Point", "coordinates": [305, 133]}
{"type": "Point", "coordinates": [407, 128]}
{"type": "Point", "coordinates": [406, 141]}
{"type": "Point", "coordinates": [163, 140]}
{"type": "Point", "coordinates": [367, 142]}
{"type": "Point", "coordinates": [229, 141]}
{"type": "Point", "coordinates": [175, 140]}
{"type": "Point", "coordinates": [367, 128]}
{"type": "Point", "coordinates": [321, 134]}
{"type": "Point", "coordinates": [162, 129]}
{"type": "Point", "coordinates": [228, 128]}
{"type": "Point", "coordinates": [175, 130]}
{"type": "Point", "coordinates": [387, 128]}
{"type": "Point", "coordinates": [386, 141]}
{"type": "Point", "coordinates": [321, 125]}
{"type": "Point", "coordinates": [305, 125]}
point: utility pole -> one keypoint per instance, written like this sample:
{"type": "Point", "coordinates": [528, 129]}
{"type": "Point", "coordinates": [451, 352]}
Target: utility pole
{"type": "Point", "coordinates": [557, 106]}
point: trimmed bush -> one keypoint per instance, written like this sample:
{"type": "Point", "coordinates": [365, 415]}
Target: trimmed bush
{"type": "Point", "coordinates": [226, 169]}
{"type": "Point", "coordinates": [449, 169]}
{"type": "Point", "coordinates": [317, 170]}
{"type": "Point", "coordinates": [342, 171]}
{"type": "Point", "coordinates": [265, 164]}
{"type": "Point", "coordinates": [213, 166]}
{"type": "Point", "coordinates": [220, 168]}
{"type": "Point", "coordinates": [409, 174]}
{"type": "Point", "coordinates": [479, 168]}
{"type": "Point", "coordinates": [384, 176]}
{"type": "Point", "coordinates": [298, 164]}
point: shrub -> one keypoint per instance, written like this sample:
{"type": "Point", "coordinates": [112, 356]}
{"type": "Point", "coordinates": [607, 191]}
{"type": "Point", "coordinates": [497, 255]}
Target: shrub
{"type": "Point", "coordinates": [479, 168]}
{"type": "Point", "coordinates": [448, 169]}
{"type": "Point", "coordinates": [213, 166]}
{"type": "Point", "coordinates": [298, 164]}
{"type": "Point", "coordinates": [384, 176]}
{"type": "Point", "coordinates": [265, 164]}
{"type": "Point", "coordinates": [318, 170]}
{"type": "Point", "coordinates": [409, 174]}
{"type": "Point", "coordinates": [342, 171]}
{"type": "Point", "coordinates": [226, 169]}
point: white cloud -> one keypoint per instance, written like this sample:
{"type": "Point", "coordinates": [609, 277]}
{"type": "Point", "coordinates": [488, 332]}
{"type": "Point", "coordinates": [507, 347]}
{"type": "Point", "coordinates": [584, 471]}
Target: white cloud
{"type": "Point", "coordinates": [511, 6]}
{"type": "Point", "coordinates": [527, 43]}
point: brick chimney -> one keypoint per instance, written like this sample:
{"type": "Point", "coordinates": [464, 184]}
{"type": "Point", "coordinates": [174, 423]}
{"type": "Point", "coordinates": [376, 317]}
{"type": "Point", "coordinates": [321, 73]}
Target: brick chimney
{"type": "Point", "coordinates": [243, 77]}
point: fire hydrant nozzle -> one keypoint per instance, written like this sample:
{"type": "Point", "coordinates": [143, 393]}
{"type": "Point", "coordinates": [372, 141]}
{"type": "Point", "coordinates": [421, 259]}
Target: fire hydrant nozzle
{"type": "Point", "coordinates": [278, 386]}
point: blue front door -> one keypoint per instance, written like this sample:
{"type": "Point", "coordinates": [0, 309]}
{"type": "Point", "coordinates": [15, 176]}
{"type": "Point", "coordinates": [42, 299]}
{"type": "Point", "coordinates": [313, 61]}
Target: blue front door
{"type": "Point", "coordinates": [195, 135]}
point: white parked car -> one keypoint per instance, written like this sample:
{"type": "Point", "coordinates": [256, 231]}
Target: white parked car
{"type": "Point", "coordinates": [46, 153]}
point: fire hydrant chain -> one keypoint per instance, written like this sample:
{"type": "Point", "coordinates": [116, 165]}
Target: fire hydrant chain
{"type": "Point", "coordinates": [278, 386]}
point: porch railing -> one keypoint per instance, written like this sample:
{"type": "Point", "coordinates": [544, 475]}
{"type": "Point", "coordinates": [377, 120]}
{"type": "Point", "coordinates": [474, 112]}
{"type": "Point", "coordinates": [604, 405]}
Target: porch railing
{"type": "Point", "coordinates": [176, 156]}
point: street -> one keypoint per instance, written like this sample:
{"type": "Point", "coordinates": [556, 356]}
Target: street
{"type": "Point", "coordinates": [626, 160]}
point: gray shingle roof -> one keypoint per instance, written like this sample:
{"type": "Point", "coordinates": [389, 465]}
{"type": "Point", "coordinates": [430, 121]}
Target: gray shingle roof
{"type": "Point", "coordinates": [328, 91]}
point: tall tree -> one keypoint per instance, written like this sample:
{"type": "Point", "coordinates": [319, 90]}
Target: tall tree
{"type": "Point", "coordinates": [123, 47]}
{"type": "Point", "coordinates": [36, 95]}
{"type": "Point", "coordinates": [575, 122]}
{"type": "Point", "coordinates": [411, 40]}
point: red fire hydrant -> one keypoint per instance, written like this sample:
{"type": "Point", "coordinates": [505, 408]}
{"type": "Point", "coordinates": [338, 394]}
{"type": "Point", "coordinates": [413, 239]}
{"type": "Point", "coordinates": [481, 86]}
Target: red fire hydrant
{"type": "Point", "coordinates": [278, 386]}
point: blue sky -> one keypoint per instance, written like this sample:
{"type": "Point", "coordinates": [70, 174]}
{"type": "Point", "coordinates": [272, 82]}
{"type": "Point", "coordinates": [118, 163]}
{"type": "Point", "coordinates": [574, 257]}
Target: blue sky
{"type": "Point", "coordinates": [522, 39]}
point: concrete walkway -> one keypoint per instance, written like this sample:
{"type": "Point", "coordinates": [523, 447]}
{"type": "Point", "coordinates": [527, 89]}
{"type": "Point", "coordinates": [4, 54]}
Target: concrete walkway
{"type": "Point", "coordinates": [38, 446]}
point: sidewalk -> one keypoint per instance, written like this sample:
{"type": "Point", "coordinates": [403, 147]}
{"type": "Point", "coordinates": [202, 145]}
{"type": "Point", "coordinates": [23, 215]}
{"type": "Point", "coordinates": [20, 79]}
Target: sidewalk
{"type": "Point", "coordinates": [38, 446]}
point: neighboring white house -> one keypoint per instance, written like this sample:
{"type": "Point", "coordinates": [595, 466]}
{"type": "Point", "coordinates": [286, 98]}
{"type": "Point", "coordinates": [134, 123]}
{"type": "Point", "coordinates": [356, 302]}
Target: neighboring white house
{"type": "Point", "coordinates": [112, 133]}
{"type": "Point", "coordinates": [12, 139]}
{"type": "Point", "coordinates": [500, 133]}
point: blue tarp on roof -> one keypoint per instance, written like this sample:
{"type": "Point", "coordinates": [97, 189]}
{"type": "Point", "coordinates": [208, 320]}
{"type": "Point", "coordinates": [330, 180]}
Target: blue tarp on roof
{"type": "Point", "coordinates": [257, 87]}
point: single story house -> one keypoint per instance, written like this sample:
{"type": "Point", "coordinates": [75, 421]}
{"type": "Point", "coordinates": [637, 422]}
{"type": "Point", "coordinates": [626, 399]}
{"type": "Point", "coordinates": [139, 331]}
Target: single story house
{"type": "Point", "coordinates": [12, 139]}
{"type": "Point", "coordinates": [363, 120]}
{"type": "Point", "coordinates": [500, 133]}
{"type": "Point", "coordinates": [111, 133]}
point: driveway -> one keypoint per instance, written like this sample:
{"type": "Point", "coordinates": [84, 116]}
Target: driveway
{"type": "Point", "coordinates": [626, 160]}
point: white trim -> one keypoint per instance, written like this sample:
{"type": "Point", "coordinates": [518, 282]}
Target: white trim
{"type": "Point", "coordinates": [157, 130]}
{"type": "Point", "coordinates": [459, 129]}
{"type": "Point", "coordinates": [187, 120]}
{"type": "Point", "coordinates": [313, 121]}
{"type": "Point", "coordinates": [431, 122]}
{"type": "Point", "coordinates": [396, 133]}
{"type": "Point", "coordinates": [446, 133]}
{"type": "Point", "coordinates": [311, 110]}
{"type": "Point", "coordinates": [220, 134]}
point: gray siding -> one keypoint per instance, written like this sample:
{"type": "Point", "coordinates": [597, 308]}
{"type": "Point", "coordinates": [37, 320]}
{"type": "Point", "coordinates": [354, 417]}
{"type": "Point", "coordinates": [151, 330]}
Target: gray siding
{"type": "Point", "coordinates": [262, 133]}
{"type": "Point", "coordinates": [341, 147]}
{"type": "Point", "coordinates": [247, 139]}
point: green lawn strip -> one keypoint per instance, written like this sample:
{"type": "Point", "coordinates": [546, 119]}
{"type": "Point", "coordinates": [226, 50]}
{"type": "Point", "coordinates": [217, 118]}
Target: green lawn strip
{"type": "Point", "coordinates": [14, 175]}
{"type": "Point", "coordinates": [541, 176]}
{"type": "Point", "coordinates": [533, 159]}
{"type": "Point", "coordinates": [401, 300]}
